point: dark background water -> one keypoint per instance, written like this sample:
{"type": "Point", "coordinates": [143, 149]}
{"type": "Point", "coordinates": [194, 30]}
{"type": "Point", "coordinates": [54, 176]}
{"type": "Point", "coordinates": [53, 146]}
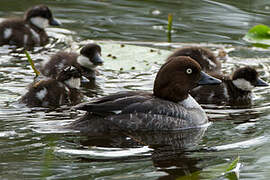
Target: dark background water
{"type": "Point", "coordinates": [34, 146]}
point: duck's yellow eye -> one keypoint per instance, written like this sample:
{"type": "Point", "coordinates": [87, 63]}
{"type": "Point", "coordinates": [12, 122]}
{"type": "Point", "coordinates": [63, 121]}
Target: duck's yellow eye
{"type": "Point", "coordinates": [189, 71]}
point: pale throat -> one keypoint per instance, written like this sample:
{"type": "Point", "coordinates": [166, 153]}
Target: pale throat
{"type": "Point", "coordinates": [190, 102]}
{"type": "Point", "coordinates": [85, 62]}
{"type": "Point", "coordinates": [40, 22]}
{"type": "Point", "coordinates": [243, 84]}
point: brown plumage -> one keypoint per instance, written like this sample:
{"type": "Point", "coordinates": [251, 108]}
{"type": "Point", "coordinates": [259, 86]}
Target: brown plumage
{"type": "Point", "coordinates": [203, 56]}
{"type": "Point", "coordinates": [53, 92]}
{"type": "Point", "coordinates": [235, 90]}
{"type": "Point", "coordinates": [25, 33]}
{"type": "Point", "coordinates": [91, 58]}
{"type": "Point", "coordinates": [167, 86]}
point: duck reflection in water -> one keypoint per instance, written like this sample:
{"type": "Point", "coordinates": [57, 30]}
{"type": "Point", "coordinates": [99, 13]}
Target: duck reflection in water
{"type": "Point", "coordinates": [168, 150]}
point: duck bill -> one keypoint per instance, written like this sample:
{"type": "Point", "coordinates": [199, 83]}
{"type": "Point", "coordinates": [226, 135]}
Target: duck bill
{"type": "Point", "coordinates": [261, 83]}
{"type": "Point", "coordinates": [54, 22]}
{"type": "Point", "coordinates": [97, 60]}
{"type": "Point", "coordinates": [208, 80]}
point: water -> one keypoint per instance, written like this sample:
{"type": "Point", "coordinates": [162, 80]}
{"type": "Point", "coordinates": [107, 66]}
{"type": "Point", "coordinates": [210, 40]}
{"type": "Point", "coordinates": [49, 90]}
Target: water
{"type": "Point", "coordinates": [34, 146]}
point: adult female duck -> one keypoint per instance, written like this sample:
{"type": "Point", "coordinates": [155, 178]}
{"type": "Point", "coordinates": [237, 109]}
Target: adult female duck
{"type": "Point", "coordinates": [169, 107]}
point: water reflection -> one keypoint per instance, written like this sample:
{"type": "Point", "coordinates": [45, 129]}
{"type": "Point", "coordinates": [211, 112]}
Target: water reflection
{"type": "Point", "coordinates": [168, 150]}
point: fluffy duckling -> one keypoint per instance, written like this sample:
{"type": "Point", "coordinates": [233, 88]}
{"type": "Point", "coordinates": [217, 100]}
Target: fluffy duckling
{"type": "Point", "coordinates": [29, 31]}
{"type": "Point", "coordinates": [203, 56]}
{"type": "Point", "coordinates": [85, 62]}
{"type": "Point", "coordinates": [52, 93]}
{"type": "Point", "coordinates": [234, 90]}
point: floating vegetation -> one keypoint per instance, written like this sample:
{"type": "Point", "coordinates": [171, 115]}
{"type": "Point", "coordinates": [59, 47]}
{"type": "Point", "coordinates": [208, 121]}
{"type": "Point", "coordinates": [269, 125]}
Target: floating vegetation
{"type": "Point", "coordinates": [259, 35]}
{"type": "Point", "coordinates": [31, 63]}
{"type": "Point", "coordinates": [232, 171]}
{"type": "Point", "coordinates": [233, 165]}
{"type": "Point", "coordinates": [169, 34]}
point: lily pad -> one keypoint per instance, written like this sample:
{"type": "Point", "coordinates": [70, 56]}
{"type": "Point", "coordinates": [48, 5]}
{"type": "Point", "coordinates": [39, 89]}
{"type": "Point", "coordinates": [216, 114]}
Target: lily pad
{"type": "Point", "coordinates": [259, 34]}
{"type": "Point", "coordinates": [131, 57]}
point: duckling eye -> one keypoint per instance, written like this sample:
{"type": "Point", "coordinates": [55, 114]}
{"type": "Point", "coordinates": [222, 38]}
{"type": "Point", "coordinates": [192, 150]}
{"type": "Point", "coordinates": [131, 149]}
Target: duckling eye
{"type": "Point", "coordinates": [189, 71]}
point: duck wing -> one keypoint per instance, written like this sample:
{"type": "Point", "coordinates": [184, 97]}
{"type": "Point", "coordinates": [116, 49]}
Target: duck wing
{"type": "Point", "coordinates": [154, 114]}
{"type": "Point", "coordinates": [114, 103]}
{"type": "Point", "coordinates": [130, 111]}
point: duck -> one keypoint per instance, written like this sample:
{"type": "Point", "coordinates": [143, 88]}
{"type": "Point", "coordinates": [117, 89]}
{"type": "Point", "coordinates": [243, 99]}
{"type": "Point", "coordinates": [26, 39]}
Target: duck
{"type": "Point", "coordinates": [85, 62]}
{"type": "Point", "coordinates": [168, 107]}
{"type": "Point", "coordinates": [206, 58]}
{"type": "Point", "coordinates": [30, 31]}
{"type": "Point", "coordinates": [53, 93]}
{"type": "Point", "coordinates": [235, 90]}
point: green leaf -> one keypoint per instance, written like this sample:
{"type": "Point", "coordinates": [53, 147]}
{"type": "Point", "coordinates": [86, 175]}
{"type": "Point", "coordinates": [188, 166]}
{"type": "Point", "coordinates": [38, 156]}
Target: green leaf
{"type": "Point", "coordinates": [233, 165]}
{"type": "Point", "coordinates": [259, 34]}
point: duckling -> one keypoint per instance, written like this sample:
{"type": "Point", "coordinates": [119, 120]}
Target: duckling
{"type": "Point", "coordinates": [85, 62]}
{"type": "Point", "coordinates": [29, 31]}
{"type": "Point", "coordinates": [52, 93]}
{"type": "Point", "coordinates": [203, 56]}
{"type": "Point", "coordinates": [234, 90]}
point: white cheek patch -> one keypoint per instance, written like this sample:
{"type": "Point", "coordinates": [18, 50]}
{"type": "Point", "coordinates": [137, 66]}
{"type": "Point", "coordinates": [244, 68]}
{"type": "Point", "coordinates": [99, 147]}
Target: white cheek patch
{"type": "Point", "coordinates": [243, 84]}
{"type": "Point", "coordinates": [73, 82]}
{"type": "Point", "coordinates": [85, 62]}
{"type": "Point", "coordinates": [7, 33]}
{"type": "Point", "coordinates": [41, 94]}
{"type": "Point", "coordinates": [40, 22]}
